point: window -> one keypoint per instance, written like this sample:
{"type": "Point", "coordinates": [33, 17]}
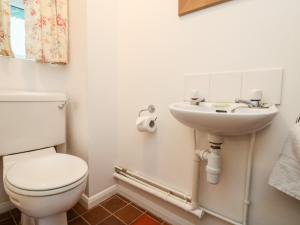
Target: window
{"type": "Point", "coordinates": [17, 29]}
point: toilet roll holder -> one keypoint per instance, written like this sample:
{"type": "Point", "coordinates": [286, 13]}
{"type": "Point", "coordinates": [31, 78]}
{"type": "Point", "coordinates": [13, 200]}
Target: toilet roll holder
{"type": "Point", "coordinates": [150, 109]}
{"type": "Point", "coordinates": [147, 123]}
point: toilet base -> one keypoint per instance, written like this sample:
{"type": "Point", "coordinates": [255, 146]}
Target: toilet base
{"type": "Point", "coordinates": [58, 219]}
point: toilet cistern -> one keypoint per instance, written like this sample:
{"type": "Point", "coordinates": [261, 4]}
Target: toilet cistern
{"type": "Point", "coordinates": [41, 182]}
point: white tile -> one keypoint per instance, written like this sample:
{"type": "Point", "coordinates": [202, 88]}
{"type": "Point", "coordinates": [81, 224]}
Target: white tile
{"type": "Point", "coordinates": [269, 81]}
{"type": "Point", "coordinates": [198, 82]}
{"type": "Point", "coordinates": [225, 87]}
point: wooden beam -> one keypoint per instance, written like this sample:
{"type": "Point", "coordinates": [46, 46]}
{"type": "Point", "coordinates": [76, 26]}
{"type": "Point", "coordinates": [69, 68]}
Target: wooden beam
{"type": "Point", "coordinates": [188, 6]}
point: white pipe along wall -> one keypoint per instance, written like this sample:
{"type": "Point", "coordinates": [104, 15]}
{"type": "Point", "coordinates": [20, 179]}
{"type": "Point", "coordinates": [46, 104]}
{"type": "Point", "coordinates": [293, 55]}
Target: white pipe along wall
{"type": "Point", "coordinates": [170, 198]}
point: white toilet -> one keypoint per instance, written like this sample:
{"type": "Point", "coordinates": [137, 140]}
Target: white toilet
{"type": "Point", "coordinates": [42, 183]}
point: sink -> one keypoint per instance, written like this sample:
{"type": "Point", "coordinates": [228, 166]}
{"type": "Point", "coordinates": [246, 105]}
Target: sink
{"type": "Point", "coordinates": [223, 119]}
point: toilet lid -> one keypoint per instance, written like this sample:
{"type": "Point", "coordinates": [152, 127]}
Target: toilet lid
{"type": "Point", "coordinates": [47, 172]}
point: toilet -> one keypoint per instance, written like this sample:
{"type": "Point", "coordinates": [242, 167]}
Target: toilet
{"type": "Point", "coordinates": [40, 179]}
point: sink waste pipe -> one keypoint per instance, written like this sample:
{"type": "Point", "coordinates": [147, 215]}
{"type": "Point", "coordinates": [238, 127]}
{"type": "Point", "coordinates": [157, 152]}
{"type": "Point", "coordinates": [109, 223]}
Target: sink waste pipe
{"type": "Point", "coordinates": [213, 168]}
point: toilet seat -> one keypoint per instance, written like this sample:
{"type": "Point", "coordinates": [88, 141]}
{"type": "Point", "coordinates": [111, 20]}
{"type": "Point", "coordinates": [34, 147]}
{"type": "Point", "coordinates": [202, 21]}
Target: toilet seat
{"type": "Point", "coordinates": [46, 175]}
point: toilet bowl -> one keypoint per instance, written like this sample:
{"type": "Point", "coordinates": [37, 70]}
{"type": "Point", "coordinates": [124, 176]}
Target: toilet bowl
{"type": "Point", "coordinates": [44, 184]}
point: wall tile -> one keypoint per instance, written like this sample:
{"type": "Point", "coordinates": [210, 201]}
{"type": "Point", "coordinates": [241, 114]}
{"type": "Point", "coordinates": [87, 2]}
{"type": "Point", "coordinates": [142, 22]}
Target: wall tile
{"type": "Point", "coordinates": [270, 81]}
{"type": "Point", "coordinates": [225, 87]}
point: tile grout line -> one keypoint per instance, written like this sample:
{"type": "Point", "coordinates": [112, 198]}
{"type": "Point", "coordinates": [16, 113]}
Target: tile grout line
{"type": "Point", "coordinates": [13, 218]}
{"type": "Point", "coordinates": [129, 203]}
{"type": "Point", "coordinates": [119, 208]}
{"type": "Point", "coordinates": [153, 217]}
{"type": "Point", "coordinates": [109, 214]}
{"type": "Point", "coordinates": [78, 212]}
{"type": "Point", "coordinates": [136, 219]}
{"type": "Point", "coordinates": [113, 214]}
{"type": "Point", "coordinates": [126, 204]}
{"type": "Point", "coordinates": [84, 219]}
{"type": "Point", "coordinates": [80, 215]}
{"type": "Point", "coordinates": [123, 222]}
{"type": "Point", "coordinates": [76, 217]}
{"type": "Point", "coordinates": [144, 213]}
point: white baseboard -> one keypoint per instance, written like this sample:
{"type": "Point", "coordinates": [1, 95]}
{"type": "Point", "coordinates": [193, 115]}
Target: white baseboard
{"type": "Point", "coordinates": [168, 212]}
{"type": "Point", "coordinates": [6, 206]}
{"type": "Point", "coordinates": [92, 201]}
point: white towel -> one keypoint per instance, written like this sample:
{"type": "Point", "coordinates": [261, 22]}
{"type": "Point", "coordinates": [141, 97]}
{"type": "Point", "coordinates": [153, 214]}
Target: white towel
{"type": "Point", "coordinates": [286, 173]}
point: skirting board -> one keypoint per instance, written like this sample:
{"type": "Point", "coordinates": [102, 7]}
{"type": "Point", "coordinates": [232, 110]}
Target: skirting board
{"type": "Point", "coordinates": [90, 202]}
{"type": "Point", "coordinates": [6, 206]}
{"type": "Point", "coordinates": [140, 198]}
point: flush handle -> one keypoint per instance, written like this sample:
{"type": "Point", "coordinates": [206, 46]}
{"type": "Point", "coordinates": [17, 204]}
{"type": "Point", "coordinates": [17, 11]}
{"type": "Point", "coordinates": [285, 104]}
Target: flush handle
{"type": "Point", "coordinates": [62, 106]}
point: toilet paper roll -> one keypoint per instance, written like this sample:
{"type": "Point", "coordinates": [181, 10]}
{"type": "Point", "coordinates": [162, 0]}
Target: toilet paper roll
{"type": "Point", "coordinates": [146, 124]}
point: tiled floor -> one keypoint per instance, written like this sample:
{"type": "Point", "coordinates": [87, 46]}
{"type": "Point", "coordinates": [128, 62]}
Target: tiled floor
{"type": "Point", "coordinates": [116, 210]}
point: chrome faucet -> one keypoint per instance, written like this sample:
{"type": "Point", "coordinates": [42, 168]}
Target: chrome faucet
{"type": "Point", "coordinates": [249, 103]}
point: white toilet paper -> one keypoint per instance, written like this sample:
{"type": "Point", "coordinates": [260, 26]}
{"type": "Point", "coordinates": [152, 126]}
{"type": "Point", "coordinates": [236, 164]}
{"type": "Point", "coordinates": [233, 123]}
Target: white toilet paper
{"type": "Point", "coordinates": [146, 124]}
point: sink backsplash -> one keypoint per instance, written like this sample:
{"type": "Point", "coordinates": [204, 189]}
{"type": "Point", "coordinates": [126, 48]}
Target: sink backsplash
{"type": "Point", "coordinates": [227, 86]}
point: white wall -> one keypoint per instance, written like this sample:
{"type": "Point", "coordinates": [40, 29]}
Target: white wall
{"type": "Point", "coordinates": [77, 78]}
{"type": "Point", "coordinates": [156, 48]}
{"type": "Point", "coordinates": [102, 96]}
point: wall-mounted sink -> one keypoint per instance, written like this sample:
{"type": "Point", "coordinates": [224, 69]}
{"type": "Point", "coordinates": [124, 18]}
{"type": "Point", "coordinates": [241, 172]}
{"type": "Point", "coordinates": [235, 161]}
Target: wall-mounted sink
{"type": "Point", "coordinates": [223, 119]}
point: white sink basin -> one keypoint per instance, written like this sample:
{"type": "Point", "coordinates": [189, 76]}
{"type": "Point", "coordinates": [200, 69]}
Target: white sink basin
{"type": "Point", "coordinates": [223, 119]}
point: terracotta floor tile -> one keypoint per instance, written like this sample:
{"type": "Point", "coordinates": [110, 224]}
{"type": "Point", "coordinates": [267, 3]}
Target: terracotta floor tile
{"type": "Point", "coordinates": [79, 208]}
{"type": "Point", "coordinates": [9, 221]}
{"type": "Point", "coordinates": [4, 216]}
{"type": "Point", "coordinates": [138, 207]}
{"type": "Point", "coordinates": [128, 214]}
{"type": "Point", "coordinates": [112, 220]}
{"type": "Point", "coordinates": [16, 213]}
{"type": "Point", "coordinates": [78, 221]}
{"type": "Point", "coordinates": [114, 204]}
{"type": "Point", "coordinates": [146, 220]}
{"type": "Point", "coordinates": [96, 215]}
{"type": "Point", "coordinates": [117, 210]}
{"type": "Point", "coordinates": [71, 214]}
{"type": "Point", "coordinates": [155, 217]}
{"type": "Point", "coordinates": [123, 198]}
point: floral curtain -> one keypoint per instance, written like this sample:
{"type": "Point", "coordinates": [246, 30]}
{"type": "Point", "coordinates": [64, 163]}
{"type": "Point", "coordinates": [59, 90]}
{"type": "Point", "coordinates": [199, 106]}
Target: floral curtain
{"type": "Point", "coordinates": [46, 26]}
{"type": "Point", "coordinates": [5, 48]}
